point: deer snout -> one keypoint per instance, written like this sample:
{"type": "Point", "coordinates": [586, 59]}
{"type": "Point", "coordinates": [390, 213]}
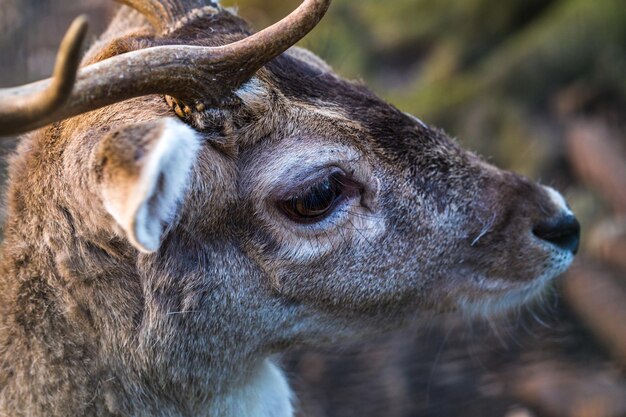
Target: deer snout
{"type": "Point", "coordinates": [562, 230]}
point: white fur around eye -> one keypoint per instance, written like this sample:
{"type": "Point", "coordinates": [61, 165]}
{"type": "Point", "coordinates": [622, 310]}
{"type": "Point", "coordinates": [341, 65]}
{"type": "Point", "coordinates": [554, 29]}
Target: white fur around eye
{"type": "Point", "coordinates": [150, 203]}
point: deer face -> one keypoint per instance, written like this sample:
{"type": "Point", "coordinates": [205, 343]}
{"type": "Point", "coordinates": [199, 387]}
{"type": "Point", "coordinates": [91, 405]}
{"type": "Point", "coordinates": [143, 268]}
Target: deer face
{"type": "Point", "coordinates": [293, 191]}
{"type": "Point", "coordinates": [354, 206]}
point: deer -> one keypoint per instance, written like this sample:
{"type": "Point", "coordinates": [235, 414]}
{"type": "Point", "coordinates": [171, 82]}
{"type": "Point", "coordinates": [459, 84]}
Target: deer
{"type": "Point", "coordinates": [191, 198]}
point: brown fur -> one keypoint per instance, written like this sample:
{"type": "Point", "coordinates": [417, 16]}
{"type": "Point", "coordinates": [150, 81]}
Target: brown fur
{"type": "Point", "coordinates": [89, 326]}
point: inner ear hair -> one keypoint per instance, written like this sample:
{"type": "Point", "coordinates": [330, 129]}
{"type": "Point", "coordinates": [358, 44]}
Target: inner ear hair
{"type": "Point", "coordinates": [143, 172]}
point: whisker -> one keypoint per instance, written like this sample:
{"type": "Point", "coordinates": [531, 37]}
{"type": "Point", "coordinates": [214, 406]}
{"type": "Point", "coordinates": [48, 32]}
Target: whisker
{"type": "Point", "coordinates": [486, 229]}
{"type": "Point", "coordinates": [172, 313]}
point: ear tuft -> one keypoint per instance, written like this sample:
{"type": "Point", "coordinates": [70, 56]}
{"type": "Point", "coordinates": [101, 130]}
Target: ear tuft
{"type": "Point", "coordinates": [144, 170]}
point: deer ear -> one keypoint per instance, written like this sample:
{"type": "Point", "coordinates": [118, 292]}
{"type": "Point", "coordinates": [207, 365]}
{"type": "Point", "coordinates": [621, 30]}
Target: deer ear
{"type": "Point", "coordinates": [143, 171]}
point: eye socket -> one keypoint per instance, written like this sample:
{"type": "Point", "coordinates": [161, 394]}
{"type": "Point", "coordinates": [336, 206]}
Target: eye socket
{"type": "Point", "coordinates": [318, 201]}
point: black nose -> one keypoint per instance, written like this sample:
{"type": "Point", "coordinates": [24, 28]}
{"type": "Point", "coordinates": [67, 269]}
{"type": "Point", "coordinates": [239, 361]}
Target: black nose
{"type": "Point", "coordinates": [563, 231]}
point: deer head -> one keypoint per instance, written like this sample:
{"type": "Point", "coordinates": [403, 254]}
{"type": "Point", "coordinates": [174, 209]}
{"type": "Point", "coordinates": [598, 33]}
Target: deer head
{"type": "Point", "coordinates": [206, 197]}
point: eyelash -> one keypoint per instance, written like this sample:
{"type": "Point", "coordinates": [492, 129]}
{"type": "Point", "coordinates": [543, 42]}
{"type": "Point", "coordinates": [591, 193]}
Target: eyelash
{"type": "Point", "coordinates": [320, 200]}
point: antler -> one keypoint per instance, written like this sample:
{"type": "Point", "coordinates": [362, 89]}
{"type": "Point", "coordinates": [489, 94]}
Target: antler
{"type": "Point", "coordinates": [19, 106]}
{"type": "Point", "coordinates": [209, 74]}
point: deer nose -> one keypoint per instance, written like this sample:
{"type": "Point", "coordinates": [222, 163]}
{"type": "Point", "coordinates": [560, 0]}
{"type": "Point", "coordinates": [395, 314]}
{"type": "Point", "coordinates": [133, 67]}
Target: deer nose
{"type": "Point", "coordinates": [563, 232]}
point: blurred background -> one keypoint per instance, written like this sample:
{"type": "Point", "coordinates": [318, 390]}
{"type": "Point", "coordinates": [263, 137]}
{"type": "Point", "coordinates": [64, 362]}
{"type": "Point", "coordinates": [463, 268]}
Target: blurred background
{"type": "Point", "coordinates": [535, 86]}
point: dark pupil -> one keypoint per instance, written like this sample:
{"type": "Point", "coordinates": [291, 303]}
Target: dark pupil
{"type": "Point", "coordinates": [316, 202]}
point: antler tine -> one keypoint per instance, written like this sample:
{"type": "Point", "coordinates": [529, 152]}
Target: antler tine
{"type": "Point", "coordinates": [162, 13]}
{"type": "Point", "coordinates": [189, 73]}
{"type": "Point", "coordinates": [18, 108]}
{"type": "Point", "coordinates": [252, 53]}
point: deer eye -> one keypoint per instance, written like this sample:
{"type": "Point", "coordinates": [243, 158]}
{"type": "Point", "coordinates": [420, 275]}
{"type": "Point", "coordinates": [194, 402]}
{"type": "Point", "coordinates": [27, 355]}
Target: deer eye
{"type": "Point", "coordinates": [318, 201]}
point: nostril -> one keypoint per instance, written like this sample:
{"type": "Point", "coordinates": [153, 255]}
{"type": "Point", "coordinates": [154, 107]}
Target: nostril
{"type": "Point", "coordinates": [563, 232]}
